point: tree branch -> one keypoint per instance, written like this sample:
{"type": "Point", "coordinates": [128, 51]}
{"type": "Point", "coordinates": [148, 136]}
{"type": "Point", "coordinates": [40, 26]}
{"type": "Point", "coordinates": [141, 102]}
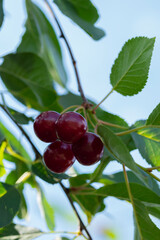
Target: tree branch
{"type": "Point", "coordinates": [82, 226]}
{"type": "Point", "coordinates": [80, 89]}
{"type": "Point", "coordinates": [37, 153]}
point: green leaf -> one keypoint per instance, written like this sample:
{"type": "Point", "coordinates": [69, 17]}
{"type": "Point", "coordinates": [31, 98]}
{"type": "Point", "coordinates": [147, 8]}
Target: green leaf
{"type": "Point", "coordinates": [70, 99]}
{"type": "Point", "coordinates": [150, 133]}
{"type": "Point", "coordinates": [120, 124]}
{"type": "Point", "coordinates": [9, 204]}
{"type": "Point", "coordinates": [3, 191]}
{"type": "Point", "coordinates": [136, 233]}
{"type": "Point", "coordinates": [146, 229]}
{"type": "Point", "coordinates": [15, 158]}
{"type": "Point", "coordinates": [119, 178]}
{"type": "Point", "coordinates": [18, 232]}
{"type": "Point", "coordinates": [130, 70]}
{"type": "Point", "coordinates": [85, 201]}
{"type": "Point", "coordinates": [149, 149]}
{"type": "Point", "coordinates": [41, 39]}
{"type": "Point", "coordinates": [39, 170]}
{"type": "Point", "coordinates": [84, 9]}
{"type": "Point", "coordinates": [47, 210]}
{"type": "Point", "coordinates": [139, 192]}
{"type": "Point", "coordinates": [22, 213]}
{"type": "Point", "coordinates": [2, 149]}
{"type": "Point", "coordinates": [15, 174]}
{"type": "Point", "coordinates": [154, 211]}
{"type": "Point", "coordinates": [1, 13]}
{"type": "Point", "coordinates": [27, 78]}
{"type": "Point", "coordinates": [96, 175]}
{"type": "Point", "coordinates": [83, 13]}
{"type": "Point", "coordinates": [118, 149]}
{"type": "Point", "coordinates": [20, 118]}
{"type": "Point", "coordinates": [111, 118]}
{"type": "Point", "coordinates": [154, 117]}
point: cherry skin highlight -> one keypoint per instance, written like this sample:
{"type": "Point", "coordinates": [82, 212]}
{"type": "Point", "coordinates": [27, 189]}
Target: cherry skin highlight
{"type": "Point", "coordinates": [89, 149]}
{"type": "Point", "coordinates": [70, 127]}
{"type": "Point", "coordinates": [44, 126]}
{"type": "Point", "coordinates": [58, 156]}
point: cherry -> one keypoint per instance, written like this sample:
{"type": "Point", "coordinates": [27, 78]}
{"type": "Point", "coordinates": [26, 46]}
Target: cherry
{"type": "Point", "coordinates": [44, 126]}
{"type": "Point", "coordinates": [88, 149]}
{"type": "Point", "coordinates": [70, 127]}
{"type": "Point", "coordinates": [58, 156]}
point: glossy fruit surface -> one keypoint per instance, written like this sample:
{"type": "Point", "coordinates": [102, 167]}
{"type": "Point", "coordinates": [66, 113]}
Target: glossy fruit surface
{"type": "Point", "coordinates": [44, 126]}
{"type": "Point", "coordinates": [89, 149]}
{"type": "Point", "coordinates": [58, 156]}
{"type": "Point", "coordinates": [70, 127]}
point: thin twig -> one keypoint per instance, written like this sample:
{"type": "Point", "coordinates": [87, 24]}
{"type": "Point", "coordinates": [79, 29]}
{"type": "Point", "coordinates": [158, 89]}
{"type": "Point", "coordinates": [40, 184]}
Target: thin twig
{"type": "Point", "coordinates": [136, 129]}
{"type": "Point", "coordinates": [148, 172]}
{"type": "Point", "coordinates": [82, 226]}
{"type": "Point", "coordinates": [95, 108]}
{"type": "Point", "coordinates": [150, 169]}
{"type": "Point", "coordinates": [62, 35]}
{"type": "Point", "coordinates": [37, 153]}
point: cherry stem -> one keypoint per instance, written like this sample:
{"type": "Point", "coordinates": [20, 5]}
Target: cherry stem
{"type": "Point", "coordinates": [80, 89]}
{"type": "Point", "coordinates": [70, 107]}
{"type": "Point", "coordinates": [37, 153]}
{"type": "Point", "coordinates": [95, 108]}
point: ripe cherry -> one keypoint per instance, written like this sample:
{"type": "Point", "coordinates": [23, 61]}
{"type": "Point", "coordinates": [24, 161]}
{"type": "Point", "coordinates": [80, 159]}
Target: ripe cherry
{"type": "Point", "coordinates": [89, 149]}
{"type": "Point", "coordinates": [58, 156]}
{"type": "Point", "coordinates": [70, 127]}
{"type": "Point", "coordinates": [44, 126]}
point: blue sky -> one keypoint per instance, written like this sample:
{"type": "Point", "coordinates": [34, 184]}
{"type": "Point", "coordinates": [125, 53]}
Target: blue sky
{"type": "Point", "coordinates": [121, 20]}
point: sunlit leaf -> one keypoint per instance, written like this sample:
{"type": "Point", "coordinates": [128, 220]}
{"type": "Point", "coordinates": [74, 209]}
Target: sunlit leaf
{"type": "Point", "coordinates": [2, 190]}
{"type": "Point", "coordinates": [14, 142]}
{"type": "Point", "coordinates": [2, 149]}
{"type": "Point", "coordinates": [149, 149]}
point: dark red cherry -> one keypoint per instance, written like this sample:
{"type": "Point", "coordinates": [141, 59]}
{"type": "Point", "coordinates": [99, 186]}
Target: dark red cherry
{"type": "Point", "coordinates": [58, 156]}
{"type": "Point", "coordinates": [44, 126]}
{"type": "Point", "coordinates": [89, 149]}
{"type": "Point", "coordinates": [70, 127]}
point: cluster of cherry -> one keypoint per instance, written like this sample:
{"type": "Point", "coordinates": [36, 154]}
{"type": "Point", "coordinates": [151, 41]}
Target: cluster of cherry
{"type": "Point", "coordinates": [69, 140]}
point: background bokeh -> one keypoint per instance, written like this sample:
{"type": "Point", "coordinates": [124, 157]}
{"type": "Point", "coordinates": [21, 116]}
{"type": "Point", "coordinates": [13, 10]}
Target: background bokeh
{"type": "Point", "coordinates": [121, 20]}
